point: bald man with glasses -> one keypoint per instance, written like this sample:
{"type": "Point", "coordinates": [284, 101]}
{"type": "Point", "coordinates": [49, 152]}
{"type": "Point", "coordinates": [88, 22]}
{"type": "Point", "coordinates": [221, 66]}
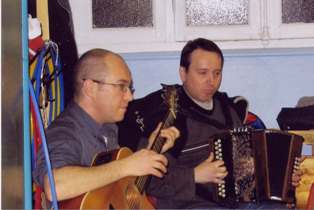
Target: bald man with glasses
{"type": "Point", "coordinates": [102, 90]}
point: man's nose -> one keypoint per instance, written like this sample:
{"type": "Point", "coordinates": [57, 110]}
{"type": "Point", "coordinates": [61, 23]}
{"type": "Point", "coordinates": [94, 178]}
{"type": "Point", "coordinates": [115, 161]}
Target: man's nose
{"type": "Point", "coordinates": [210, 77]}
{"type": "Point", "coordinates": [129, 95]}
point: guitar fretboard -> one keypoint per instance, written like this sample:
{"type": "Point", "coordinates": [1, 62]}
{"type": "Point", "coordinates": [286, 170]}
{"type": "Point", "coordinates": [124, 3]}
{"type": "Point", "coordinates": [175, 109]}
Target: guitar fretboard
{"type": "Point", "coordinates": [142, 181]}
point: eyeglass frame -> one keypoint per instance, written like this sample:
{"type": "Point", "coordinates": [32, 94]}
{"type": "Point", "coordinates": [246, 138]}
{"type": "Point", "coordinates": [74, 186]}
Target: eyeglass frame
{"type": "Point", "coordinates": [123, 87]}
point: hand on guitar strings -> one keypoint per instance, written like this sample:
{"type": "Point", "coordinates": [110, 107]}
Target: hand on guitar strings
{"type": "Point", "coordinates": [145, 162]}
{"type": "Point", "coordinates": [168, 134]}
{"type": "Point", "coordinates": [210, 170]}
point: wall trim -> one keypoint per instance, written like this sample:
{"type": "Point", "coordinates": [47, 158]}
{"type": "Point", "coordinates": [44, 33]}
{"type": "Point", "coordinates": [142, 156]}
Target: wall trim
{"type": "Point", "coordinates": [175, 55]}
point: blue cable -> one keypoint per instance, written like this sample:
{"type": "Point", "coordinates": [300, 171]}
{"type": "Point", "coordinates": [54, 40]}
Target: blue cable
{"type": "Point", "coordinates": [40, 70]}
{"type": "Point", "coordinates": [37, 72]}
{"type": "Point", "coordinates": [44, 147]}
{"type": "Point", "coordinates": [33, 154]}
{"type": "Point", "coordinates": [60, 76]}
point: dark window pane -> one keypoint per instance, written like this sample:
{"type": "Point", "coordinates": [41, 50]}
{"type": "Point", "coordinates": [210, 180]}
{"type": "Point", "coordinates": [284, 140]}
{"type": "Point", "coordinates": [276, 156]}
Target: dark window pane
{"type": "Point", "coordinates": [295, 11]}
{"type": "Point", "coordinates": [216, 12]}
{"type": "Point", "coordinates": [122, 13]}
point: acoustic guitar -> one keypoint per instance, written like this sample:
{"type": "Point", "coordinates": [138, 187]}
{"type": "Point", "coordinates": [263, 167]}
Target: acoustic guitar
{"type": "Point", "coordinates": [129, 192]}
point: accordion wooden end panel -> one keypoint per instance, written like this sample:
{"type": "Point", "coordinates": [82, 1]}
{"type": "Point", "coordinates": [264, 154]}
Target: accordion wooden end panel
{"type": "Point", "coordinates": [260, 164]}
{"type": "Point", "coordinates": [281, 153]}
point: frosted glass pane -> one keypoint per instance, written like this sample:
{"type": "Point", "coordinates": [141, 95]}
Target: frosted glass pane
{"type": "Point", "coordinates": [216, 12]}
{"type": "Point", "coordinates": [295, 11]}
{"type": "Point", "coordinates": [122, 13]}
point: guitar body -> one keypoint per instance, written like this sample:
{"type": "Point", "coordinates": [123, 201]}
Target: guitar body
{"type": "Point", "coordinates": [122, 194]}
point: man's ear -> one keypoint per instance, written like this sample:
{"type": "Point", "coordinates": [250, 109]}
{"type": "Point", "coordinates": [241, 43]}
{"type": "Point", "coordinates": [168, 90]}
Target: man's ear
{"type": "Point", "coordinates": [89, 89]}
{"type": "Point", "coordinates": [182, 72]}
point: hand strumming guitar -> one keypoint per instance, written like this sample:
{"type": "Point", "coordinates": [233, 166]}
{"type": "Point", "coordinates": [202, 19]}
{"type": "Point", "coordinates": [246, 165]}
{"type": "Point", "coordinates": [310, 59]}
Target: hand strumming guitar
{"type": "Point", "coordinates": [144, 162]}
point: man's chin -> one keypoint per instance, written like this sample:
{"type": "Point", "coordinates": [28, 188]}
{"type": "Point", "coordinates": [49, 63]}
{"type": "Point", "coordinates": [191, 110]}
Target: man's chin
{"type": "Point", "coordinates": [120, 118]}
{"type": "Point", "coordinates": [206, 99]}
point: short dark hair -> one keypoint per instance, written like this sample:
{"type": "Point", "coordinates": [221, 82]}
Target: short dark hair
{"type": "Point", "coordinates": [85, 65]}
{"type": "Point", "coordinates": [199, 43]}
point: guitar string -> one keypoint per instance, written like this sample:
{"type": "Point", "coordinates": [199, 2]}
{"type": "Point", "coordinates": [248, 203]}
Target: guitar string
{"type": "Point", "coordinates": [134, 201]}
{"type": "Point", "coordinates": [157, 146]}
{"type": "Point", "coordinates": [130, 201]}
{"type": "Point", "coordinates": [142, 180]}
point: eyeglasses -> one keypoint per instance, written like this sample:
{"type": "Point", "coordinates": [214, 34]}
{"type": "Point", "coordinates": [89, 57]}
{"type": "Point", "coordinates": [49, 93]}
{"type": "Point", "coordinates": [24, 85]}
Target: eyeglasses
{"type": "Point", "coordinates": [123, 87]}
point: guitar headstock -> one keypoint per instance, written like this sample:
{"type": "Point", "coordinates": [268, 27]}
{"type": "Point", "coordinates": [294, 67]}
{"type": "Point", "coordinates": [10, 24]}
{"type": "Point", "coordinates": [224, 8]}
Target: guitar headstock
{"type": "Point", "coordinates": [170, 97]}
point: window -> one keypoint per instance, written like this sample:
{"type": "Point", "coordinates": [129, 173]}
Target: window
{"type": "Point", "coordinates": [112, 31]}
{"type": "Point", "coordinates": [165, 25]}
{"type": "Point", "coordinates": [291, 19]}
{"type": "Point", "coordinates": [217, 19]}
{"type": "Point", "coordinates": [122, 13]}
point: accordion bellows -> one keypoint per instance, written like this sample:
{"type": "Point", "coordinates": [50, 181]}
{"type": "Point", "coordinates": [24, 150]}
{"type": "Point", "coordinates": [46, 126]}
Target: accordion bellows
{"type": "Point", "coordinates": [260, 167]}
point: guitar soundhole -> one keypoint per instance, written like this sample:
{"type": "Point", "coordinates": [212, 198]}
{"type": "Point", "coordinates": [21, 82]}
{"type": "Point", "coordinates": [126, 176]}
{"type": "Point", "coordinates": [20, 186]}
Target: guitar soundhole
{"type": "Point", "coordinates": [133, 197]}
{"type": "Point", "coordinates": [111, 207]}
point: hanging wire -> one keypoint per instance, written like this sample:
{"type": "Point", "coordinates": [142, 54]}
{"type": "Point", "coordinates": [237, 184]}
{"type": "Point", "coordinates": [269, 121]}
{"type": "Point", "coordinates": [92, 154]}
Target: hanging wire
{"type": "Point", "coordinates": [46, 83]}
{"type": "Point", "coordinates": [34, 104]}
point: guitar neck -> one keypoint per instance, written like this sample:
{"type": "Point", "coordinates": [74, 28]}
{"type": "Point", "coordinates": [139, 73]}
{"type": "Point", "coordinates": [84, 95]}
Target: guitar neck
{"type": "Point", "coordinates": [142, 181]}
{"type": "Point", "coordinates": [159, 141]}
